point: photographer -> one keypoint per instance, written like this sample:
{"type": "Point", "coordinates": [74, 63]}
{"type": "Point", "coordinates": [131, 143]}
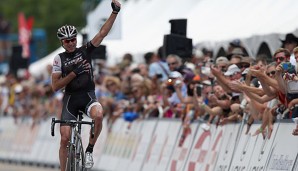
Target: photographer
{"type": "Point", "coordinates": [174, 91]}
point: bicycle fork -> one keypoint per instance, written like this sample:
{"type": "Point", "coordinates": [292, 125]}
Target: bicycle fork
{"type": "Point", "coordinates": [71, 163]}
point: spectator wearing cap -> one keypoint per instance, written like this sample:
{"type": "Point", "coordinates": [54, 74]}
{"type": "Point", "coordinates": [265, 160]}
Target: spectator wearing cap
{"type": "Point", "coordinates": [289, 43]}
{"type": "Point", "coordinates": [233, 72]}
{"type": "Point", "coordinates": [236, 43]}
{"type": "Point", "coordinates": [245, 62]}
{"type": "Point", "coordinates": [174, 91]}
{"type": "Point", "coordinates": [235, 55]}
{"type": "Point", "coordinates": [222, 63]}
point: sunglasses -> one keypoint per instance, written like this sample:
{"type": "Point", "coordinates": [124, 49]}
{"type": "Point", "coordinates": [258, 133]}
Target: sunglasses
{"type": "Point", "coordinates": [173, 63]}
{"type": "Point", "coordinates": [69, 40]}
{"type": "Point", "coordinates": [280, 58]}
{"type": "Point", "coordinates": [243, 65]}
{"type": "Point", "coordinates": [271, 73]}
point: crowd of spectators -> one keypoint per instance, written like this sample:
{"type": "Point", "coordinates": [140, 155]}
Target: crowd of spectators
{"type": "Point", "coordinates": [219, 90]}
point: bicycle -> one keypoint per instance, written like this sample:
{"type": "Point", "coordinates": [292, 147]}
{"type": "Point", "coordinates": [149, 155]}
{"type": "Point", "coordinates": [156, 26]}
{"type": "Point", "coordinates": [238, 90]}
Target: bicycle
{"type": "Point", "coordinates": [75, 155]}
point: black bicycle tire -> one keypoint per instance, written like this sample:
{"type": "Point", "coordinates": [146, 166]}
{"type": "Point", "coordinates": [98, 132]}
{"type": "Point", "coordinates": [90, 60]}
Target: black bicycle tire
{"type": "Point", "coordinates": [70, 162]}
{"type": "Point", "coordinates": [81, 165]}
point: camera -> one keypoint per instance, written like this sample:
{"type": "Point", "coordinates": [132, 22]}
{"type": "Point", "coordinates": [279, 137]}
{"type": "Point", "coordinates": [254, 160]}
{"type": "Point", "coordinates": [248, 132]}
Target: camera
{"type": "Point", "coordinates": [286, 66]}
{"type": "Point", "coordinates": [178, 82]}
{"type": "Point", "coordinates": [199, 88]}
{"type": "Point", "coordinates": [159, 75]}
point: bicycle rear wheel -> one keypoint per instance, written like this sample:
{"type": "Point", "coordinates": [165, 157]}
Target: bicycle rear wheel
{"type": "Point", "coordinates": [71, 157]}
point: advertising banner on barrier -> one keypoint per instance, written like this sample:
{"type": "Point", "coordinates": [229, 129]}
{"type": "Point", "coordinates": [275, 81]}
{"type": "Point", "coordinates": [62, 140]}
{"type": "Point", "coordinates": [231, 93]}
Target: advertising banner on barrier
{"type": "Point", "coordinates": [7, 135]}
{"type": "Point", "coordinates": [180, 153]}
{"type": "Point", "coordinates": [114, 142]}
{"type": "Point", "coordinates": [100, 143]}
{"type": "Point", "coordinates": [142, 147]}
{"type": "Point", "coordinates": [227, 147]}
{"type": "Point", "coordinates": [262, 150]}
{"type": "Point", "coordinates": [284, 151]}
{"type": "Point", "coordinates": [244, 149]}
{"type": "Point", "coordinates": [154, 145]}
{"type": "Point", "coordinates": [158, 156]}
{"type": "Point", "coordinates": [216, 144]}
{"type": "Point", "coordinates": [198, 155]}
{"type": "Point", "coordinates": [132, 137]}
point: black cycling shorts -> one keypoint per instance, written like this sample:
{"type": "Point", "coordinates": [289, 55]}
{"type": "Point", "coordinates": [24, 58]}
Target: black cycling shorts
{"type": "Point", "coordinates": [73, 103]}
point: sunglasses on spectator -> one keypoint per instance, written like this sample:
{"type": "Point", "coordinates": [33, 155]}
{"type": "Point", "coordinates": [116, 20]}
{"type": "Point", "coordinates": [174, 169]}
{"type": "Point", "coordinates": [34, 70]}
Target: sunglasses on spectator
{"type": "Point", "coordinates": [69, 40]}
{"type": "Point", "coordinates": [280, 58]}
{"type": "Point", "coordinates": [271, 73]}
{"type": "Point", "coordinates": [173, 63]}
{"type": "Point", "coordinates": [243, 65]}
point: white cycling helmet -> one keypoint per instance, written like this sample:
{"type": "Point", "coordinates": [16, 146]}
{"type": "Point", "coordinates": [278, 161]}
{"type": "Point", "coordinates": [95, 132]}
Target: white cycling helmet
{"type": "Point", "coordinates": [66, 32]}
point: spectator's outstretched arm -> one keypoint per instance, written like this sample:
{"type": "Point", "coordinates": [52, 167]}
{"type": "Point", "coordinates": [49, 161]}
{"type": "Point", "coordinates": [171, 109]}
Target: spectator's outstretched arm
{"type": "Point", "coordinates": [235, 85]}
{"type": "Point", "coordinates": [105, 29]}
{"type": "Point", "coordinates": [221, 79]}
{"type": "Point", "coordinates": [280, 81]}
{"type": "Point", "coordinates": [266, 82]}
{"type": "Point", "coordinates": [261, 99]}
{"type": "Point", "coordinates": [221, 103]}
{"type": "Point", "coordinates": [292, 103]}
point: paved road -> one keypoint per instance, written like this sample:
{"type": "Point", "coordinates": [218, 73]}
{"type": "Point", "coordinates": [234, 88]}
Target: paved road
{"type": "Point", "coordinates": [14, 167]}
{"type": "Point", "coordinates": [19, 167]}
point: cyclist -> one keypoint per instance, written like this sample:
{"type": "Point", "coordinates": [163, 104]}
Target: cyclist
{"type": "Point", "coordinates": [72, 71]}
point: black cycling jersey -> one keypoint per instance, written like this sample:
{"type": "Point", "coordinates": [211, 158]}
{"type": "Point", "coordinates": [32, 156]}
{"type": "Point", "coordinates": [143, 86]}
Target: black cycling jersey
{"type": "Point", "coordinates": [69, 61]}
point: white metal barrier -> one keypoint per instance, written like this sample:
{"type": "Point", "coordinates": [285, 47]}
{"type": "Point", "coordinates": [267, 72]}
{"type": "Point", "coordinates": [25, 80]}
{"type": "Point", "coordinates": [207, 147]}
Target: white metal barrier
{"type": "Point", "coordinates": [153, 145]}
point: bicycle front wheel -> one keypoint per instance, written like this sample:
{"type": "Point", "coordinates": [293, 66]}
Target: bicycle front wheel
{"type": "Point", "coordinates": [71, 159]}
{"type": "Point", "coordinates": [80, 156]}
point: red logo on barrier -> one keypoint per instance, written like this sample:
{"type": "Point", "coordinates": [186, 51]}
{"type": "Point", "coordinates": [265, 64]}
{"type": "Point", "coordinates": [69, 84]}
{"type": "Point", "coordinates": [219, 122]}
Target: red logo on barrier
{"type": "Point", "coordinates": [203, 152]}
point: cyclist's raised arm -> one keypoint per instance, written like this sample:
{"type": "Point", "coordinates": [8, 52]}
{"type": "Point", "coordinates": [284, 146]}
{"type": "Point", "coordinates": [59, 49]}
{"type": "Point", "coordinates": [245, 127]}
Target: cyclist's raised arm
{"type": "Point", "coordinates": [105, 29]}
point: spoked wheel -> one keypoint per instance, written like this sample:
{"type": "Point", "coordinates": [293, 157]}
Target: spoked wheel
{"type": "Point", "coordinates": [70, 162]}
{"type": "Point", "coordinates": [80, 157]}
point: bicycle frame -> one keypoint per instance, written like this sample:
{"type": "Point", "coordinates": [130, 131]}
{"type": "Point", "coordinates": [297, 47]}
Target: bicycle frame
{"type": "Point", "coordinates": [75, 146]}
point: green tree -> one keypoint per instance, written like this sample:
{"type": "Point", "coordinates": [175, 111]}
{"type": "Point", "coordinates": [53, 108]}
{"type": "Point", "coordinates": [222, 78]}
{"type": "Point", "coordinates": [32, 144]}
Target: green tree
{"type": "Point", "coordinates": [48, 15]}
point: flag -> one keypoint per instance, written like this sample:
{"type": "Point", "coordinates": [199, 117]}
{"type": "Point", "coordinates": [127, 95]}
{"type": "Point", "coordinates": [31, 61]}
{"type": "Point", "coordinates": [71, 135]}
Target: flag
{"type": "Point", "coordinates": [25, 31]}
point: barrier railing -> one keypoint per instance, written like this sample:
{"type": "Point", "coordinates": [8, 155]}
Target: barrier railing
{"type": "Point", "coordinates": [153, 145]}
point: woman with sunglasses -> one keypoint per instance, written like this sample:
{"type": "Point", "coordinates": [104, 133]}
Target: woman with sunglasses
{"type": "Point", "coordinates": [72, 71]}
{"type": "Point", "coordinates": [271, 101]}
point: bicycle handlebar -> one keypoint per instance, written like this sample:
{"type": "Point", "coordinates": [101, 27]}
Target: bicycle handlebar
{"type": "Point", "coordinates": [72, 123]}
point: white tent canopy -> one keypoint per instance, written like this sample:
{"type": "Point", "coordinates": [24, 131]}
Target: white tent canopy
{"type": "Point", "coordinates": [144, 23]}
{"type": "Point", "coordinates": [212, 22]}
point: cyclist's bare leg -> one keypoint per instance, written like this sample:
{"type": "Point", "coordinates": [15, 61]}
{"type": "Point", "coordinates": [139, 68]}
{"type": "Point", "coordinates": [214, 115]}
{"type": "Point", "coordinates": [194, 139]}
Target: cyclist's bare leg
{"type": "Point", "coordinates": [65, 134]}
{"type": "Point", "coordinates": [96, 113]}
